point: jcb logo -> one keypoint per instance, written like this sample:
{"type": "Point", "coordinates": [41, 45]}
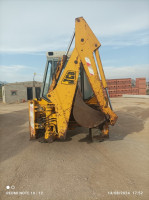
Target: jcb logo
{"type": "Point", "coordinates": [69, 78]}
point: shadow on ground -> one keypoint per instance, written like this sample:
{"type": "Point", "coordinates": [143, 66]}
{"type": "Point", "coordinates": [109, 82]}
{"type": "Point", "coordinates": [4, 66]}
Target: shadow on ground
{"type": "Point", "coordinates": [14, 131]}
{"type": "Point", "coordinates": [129, 121]}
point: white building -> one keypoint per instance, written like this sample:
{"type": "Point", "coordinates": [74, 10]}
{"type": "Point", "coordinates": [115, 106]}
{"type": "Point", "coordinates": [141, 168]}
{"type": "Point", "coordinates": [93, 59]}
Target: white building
{"type": "Point", "coordinates": [21, 91]}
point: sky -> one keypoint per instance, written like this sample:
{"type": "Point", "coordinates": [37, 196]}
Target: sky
{"type": "Point", "coordinates": [30, 28]}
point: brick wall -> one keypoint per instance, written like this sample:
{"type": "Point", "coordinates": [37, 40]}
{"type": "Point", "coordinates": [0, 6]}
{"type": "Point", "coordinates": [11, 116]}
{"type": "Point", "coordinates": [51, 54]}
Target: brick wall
{"type": "Point", "coordinates": [141, 85]}
{"type": "Point", "coordinates": [118, 87]}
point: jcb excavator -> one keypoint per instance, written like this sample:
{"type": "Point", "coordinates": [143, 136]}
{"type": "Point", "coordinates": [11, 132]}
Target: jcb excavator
{"type": "Point", "coordinates": [74, 91]}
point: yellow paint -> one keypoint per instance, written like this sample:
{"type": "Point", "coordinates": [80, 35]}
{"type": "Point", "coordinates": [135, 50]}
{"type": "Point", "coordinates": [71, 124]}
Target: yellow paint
{"type": "Point", "coordinates": [56, 113]}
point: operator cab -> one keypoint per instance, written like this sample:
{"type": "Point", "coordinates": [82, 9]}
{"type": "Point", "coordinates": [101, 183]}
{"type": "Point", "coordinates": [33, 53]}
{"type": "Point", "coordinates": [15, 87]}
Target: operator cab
{"type": "Point", "coordinates": [50, 69]}
{"type": "Point", "coordinates": [52, 60]}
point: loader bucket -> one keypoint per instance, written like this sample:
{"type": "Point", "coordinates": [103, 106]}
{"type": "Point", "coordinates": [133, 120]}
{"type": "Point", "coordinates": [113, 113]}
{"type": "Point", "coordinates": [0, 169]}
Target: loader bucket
{"type": "Point", "coordinates": [85, 115]}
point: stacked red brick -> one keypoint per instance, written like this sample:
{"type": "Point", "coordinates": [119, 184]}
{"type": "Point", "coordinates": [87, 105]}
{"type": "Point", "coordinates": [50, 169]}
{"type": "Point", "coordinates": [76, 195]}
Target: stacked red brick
{"type": "Point", "coordinates": [118, 87]}
{"type": "Point", "coordinates": [141, 85]}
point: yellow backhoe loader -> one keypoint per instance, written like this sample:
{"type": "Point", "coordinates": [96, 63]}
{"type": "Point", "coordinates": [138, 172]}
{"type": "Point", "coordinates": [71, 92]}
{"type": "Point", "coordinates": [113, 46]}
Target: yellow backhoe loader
{"type": "Point", "coordinates": [74, 91]}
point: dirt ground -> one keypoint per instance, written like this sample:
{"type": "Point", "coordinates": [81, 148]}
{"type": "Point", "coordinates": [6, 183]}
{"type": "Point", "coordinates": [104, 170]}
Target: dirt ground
{"type": "Point", "coordinates": [117, 168]}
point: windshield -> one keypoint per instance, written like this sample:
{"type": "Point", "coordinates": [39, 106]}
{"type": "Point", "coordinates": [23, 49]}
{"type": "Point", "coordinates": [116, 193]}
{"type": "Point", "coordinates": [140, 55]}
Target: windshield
{"type": "Point", "coordinates": [83, 82]}
{"type": "Point", "coordinates": [50, 70]}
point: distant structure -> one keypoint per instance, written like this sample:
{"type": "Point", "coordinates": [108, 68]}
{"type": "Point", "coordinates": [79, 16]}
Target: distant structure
{"type": "Point", "coordinates": [147, 85]}
{"type": "Point", "coordinates": [20, 91]}
{"type": "Point", "coordinates": [118, 87]}
{"type": "Point", "coordinates": [24, 91]}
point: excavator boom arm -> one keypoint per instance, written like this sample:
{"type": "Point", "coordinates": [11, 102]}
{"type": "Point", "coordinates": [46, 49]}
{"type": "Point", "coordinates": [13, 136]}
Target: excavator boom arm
{"type": "Point", "coordinates": [63, 95]}
{"type": "Point", "coordinates": [87, 45]}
